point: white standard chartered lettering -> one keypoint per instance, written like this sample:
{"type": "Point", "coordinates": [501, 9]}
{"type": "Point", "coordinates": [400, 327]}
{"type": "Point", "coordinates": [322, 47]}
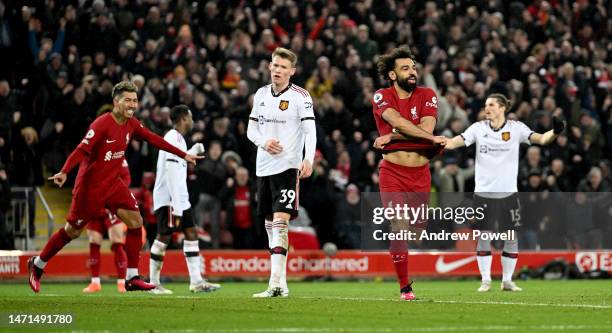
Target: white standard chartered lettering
{"type": "Point", "coordinates": [294, 264]}
{"type": "Point", "coordinates": [113, 156]}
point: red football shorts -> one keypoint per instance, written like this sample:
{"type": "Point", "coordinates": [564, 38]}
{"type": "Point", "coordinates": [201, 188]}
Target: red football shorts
{"type": "Point", "coordinates": [101, 225]}
{"type": "Point", "coordinates": [406, 186]}
{"type": "Point", "coordinates": [89, 206]}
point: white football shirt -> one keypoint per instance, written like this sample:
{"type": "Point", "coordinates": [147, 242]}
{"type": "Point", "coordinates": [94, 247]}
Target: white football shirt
{"type": "Point", "coordinates": [497, 156]}
{"type": "Point", "coordinates": [280, 116]}
{"type": "Point", "coordinates": [171, 178]}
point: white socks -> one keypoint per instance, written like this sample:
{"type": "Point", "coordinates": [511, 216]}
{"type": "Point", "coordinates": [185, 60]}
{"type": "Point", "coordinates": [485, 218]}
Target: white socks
{"type": "Point", "coordinates": [278, 257]}
{"type": "Point", "coordinates": [39, 262]}
{"type": "Point", "coordinates": [156, 262]}
{"type": "Point", "coordinates": [191, 249]}
{"type": "Point", "coordinates": [508, 261]}
{"type": "Point", "coordinates": [131, 272]}
{"type": "Point", "coordinates": [269, 232]}
{"type": "Point", "coordinates": [484, 265]}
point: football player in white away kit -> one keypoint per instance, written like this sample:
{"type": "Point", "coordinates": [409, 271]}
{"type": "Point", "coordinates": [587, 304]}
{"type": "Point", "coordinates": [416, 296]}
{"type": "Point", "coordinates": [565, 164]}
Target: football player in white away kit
{"type": "Point", "coordinates": [173, 209]}
{"type": "Point", "coordinates": [497, 153]}
{"type": "Point", "coordinates": [283, 129]}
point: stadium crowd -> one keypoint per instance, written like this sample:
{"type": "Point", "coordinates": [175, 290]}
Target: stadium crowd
{"type": "Point", "coordinates": [60, 59]}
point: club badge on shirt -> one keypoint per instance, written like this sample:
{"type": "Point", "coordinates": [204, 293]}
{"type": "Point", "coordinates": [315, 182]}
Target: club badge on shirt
{"type": "Point", "coordinates": [505, 136]}
{"type": "Point", "coordinates": [284, 105]}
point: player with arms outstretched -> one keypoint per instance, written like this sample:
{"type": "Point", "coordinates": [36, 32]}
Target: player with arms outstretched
{"type": "Point", "coordinates": [497, 158]}
{"type": "Point", "coordinates": [282, 126]}
{"type": "Point", "coordinates": [405, 116]}
{"type": "Point", "coordinates": [98, 186]}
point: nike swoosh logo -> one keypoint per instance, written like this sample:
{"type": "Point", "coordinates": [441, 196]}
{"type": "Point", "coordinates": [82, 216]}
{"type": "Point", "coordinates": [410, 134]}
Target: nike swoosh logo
{"type": "Point", "coordinates": [445, 267]}
{"type": "Point", "coordinates": [110, 141]}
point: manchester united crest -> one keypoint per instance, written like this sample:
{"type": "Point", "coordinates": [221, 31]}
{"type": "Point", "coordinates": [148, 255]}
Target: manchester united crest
{"type": "Point", "coordinates": [505, 136]}
{"type": "Point", "coordinates": [284, 105]}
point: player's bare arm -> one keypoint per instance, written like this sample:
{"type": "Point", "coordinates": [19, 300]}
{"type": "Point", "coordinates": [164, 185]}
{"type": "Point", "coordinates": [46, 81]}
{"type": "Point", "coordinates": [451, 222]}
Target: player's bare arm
{"type": "Point", "coordinates": [550, 136]}
{"type": "Point", "coordinates": [456, 142]}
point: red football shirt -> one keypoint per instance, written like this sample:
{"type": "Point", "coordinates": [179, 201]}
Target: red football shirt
{"type": "Point", "coordinates": [105, 143]}
{"type": "Point", "coordinates": [242, 208]}
{"type": "Point", "coordinates": [422, 103]}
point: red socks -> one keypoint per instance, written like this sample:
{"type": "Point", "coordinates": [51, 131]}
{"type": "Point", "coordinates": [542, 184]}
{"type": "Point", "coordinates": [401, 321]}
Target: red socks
{"type": "Point", "coordinates": [120, 259]}
{"type": "Point", "coordinates": [57, 242]}
{"type": "Point", "coordinates": [94, 259]}
{"type": "Point", "coordinates": [399, 254]}
{"type": "Point", "coordinates": [133, 244]}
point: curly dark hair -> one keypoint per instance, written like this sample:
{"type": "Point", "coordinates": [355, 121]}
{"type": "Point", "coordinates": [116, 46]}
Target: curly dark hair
{"type": "Point", "coordinates": [386, 62]}
{"type": "Point", "coordinates": [178, 112]}
{"type": "Point", "coordinates": [123, 86]}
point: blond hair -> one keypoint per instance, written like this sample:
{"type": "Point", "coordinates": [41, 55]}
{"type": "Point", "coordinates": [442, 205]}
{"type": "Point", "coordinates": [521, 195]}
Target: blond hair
{"type": "Point", "coordinates": [285, 54]}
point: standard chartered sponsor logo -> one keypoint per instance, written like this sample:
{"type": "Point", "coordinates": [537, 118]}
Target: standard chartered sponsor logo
{"type": "Point", "coordinates": [296, 264]}
{"type": "Point", "coordinates": [113, 156]}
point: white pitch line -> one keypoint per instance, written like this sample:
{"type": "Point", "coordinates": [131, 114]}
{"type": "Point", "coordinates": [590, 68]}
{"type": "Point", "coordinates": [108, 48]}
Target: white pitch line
{"type": "Point", "coordinates": [588, 306]}
{"type": "Point", "coordinates": [408, 329]}
{"type": "Point", "coordinates": [592, 306]}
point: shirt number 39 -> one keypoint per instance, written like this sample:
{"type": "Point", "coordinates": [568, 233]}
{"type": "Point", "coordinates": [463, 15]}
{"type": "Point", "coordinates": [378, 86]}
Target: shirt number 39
{"type": "Point", "coordinates": [287, 195]}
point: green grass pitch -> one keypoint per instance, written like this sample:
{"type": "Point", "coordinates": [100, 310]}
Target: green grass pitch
{"type": "Point", "coordinates": [321, 307]}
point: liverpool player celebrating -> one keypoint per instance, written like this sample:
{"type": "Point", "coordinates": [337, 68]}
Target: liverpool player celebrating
{"type": "Point", "coordinates": [116, 234]}
{"type": "Point", "coordinates": [405, 117]}
{"type": "Point", "coordinates": [98, 186]}
{"type": "Point", "coordinates": [497, 153]}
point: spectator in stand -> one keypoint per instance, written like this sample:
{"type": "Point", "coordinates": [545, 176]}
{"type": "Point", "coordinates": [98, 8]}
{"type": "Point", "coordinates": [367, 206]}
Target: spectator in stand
{"type": "Point", "coordinates": [6, 234]}
{"type": "Point", "coordinates": [348, 218]}
{"type": "Point", "coordinates": [240, 212]}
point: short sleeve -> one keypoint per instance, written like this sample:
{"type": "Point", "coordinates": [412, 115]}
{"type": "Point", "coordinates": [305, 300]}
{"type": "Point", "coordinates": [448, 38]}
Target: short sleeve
{"type": "Point", "coordinates": [306, 109]}
{"type": "Point", "coordinates": [380, 102]}
{"type": "Point", "coordinates": [524, 132]}
{"type": "Point", "coordinates": [430, 104]}
{"type": "Point", "coordinates": [92, 137]}
{"type": "Point", "coordinates": [469, 136]}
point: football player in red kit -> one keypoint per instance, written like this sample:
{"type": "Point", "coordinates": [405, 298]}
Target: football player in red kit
{"type": "Point", "coordinates": [405, 116]}
{"type": "Point", "coordinates": [116, 234]}
{"type": "Point", "coordinates": [98, 186]}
